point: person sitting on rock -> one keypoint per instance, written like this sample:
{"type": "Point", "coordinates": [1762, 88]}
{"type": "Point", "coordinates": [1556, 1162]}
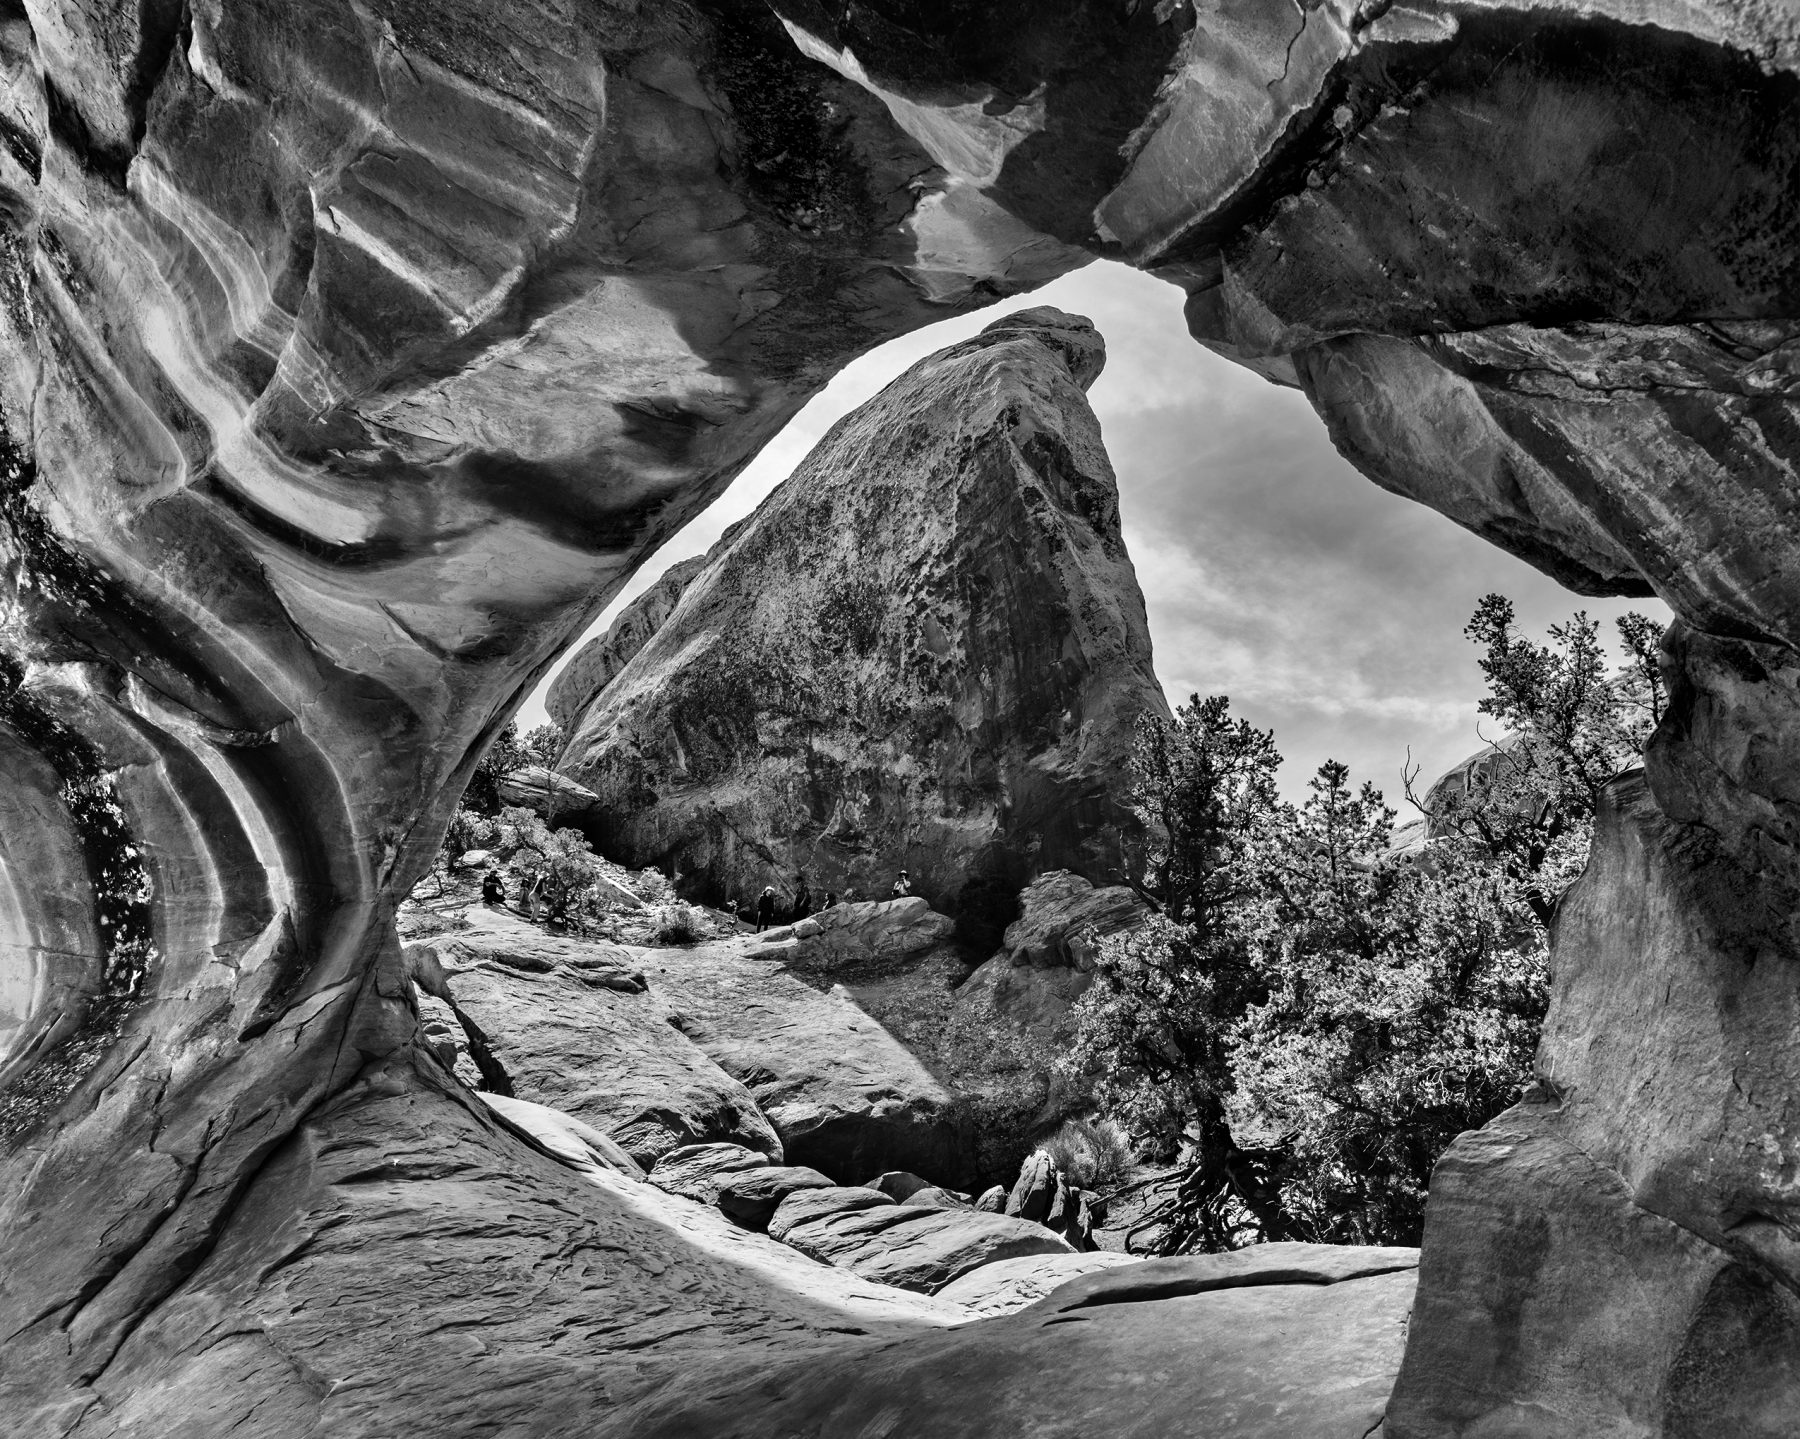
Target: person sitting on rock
{"type": "Point", "coordinates": [765, 908]}
{"type": "Point", "coordinates": [493, 888]}
{"type": "Point", "coordinates": [902, 886]}
{"type": "Point", "coordinates": [830, 900]}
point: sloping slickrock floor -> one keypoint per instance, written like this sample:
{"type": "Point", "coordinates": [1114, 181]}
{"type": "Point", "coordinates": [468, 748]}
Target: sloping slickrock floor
{"type": "Point", "coordinates": [1309, 1354]}
{"type": "Point", "coordinates": [404, 1264]}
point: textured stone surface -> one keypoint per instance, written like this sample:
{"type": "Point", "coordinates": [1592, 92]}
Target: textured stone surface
{"type": "Point", "coordinates": [1045, 964]}
{"type": "Point", "coordinates": [703, 1171]}
{"type": "Point", "coordinates": [608, 1057]}
{"type": "Point", "coordinates": [591, 668]}
{"type": "Point", "coordinates": [916, 1247]}
{"type": "Point", "coordinates": [52, 960]}
{"type": "Point", "coordinates": [925, 651]}
{"type": "Point", "coordinates": [1008, 1285]}
{"type": "Point", "coordinates": [555, 796]}
{"type": "Point", "coordinates": [1062, 915]}
{"type": "Point", "coordinates": [358, 356]}
{"type": "Point", "coordinates": [1272, 1361]}
{"type": "Point", "coordinates": [868, 931]}
{"type": "Point", "coordinates": [751, 1198]}
{"type": "Point", "coordinates": [806, 1205]}
{"type": "Point", "coordinates": [842, 1093]}
{"type": "Point", "coordinates": [1638, 1212]}
{"type": "Point", "coordinates": [355, 354]}
{"type": "Point", "coordinates": [510, 1292]}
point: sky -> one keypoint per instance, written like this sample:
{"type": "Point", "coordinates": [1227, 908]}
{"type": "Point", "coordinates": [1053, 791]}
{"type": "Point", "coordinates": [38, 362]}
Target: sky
{"type": "Point", "coordinates": [1326, 608]}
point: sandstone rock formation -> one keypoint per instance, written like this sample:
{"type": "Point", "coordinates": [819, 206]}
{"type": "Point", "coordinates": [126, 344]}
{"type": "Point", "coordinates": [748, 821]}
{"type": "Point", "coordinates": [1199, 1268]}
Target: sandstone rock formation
{"type": "Point", "coordinates": [544, 792]}
{"type": "Point", "coordinates": [809, 1205]}
{"type": "Point", "coordinates": [1278, 1346]}
{"type": "Point", "coordinates": [1008, 1285]}
{"type": "Point", "coordinates": [867, 931]}
{"type": "Point", "coordinates": [608, 1056]}
{"type": "Point", "coordinates": [753, 1197]}
{"type": "Point", "coordinates": [354, 355]}
{"type": "Point", "coordinates": [703, 1171]}
{"type": "Point", "coordinates": [915, 1246]}
{"type": "Point", "coordinates": [925, 651]}
{"type": "Point", "coordinates": [843, 1094]}
{"type": "Point", "coordinates": [1046, 961]}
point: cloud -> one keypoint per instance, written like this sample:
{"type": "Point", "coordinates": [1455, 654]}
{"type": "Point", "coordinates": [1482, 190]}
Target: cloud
{"type": "Point", "coordinates": [1328, 609]}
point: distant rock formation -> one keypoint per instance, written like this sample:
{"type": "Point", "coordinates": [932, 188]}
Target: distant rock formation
{"type": "Point", "coordinates": [925, 651]}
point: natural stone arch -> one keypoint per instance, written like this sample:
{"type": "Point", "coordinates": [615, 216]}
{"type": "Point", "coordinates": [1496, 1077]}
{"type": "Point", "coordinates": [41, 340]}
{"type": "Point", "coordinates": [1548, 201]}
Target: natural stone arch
{"type": "Point", "coordinates": [360, 352]}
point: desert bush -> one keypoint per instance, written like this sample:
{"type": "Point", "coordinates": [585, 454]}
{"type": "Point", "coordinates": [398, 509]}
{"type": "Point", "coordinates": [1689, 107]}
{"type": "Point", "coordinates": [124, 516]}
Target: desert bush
{"type": "Point", "coordinates": [1091, 1154]}
{"type": "Point", "coordinates": [678, 924]}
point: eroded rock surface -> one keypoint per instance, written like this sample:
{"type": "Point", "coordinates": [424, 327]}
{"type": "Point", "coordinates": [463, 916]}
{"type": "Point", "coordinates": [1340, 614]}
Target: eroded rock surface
{"type": "Point", "coordinates": [570, 1033]}
{"type": "Point", "coordinates": [1008, 1285]}
{"type": "Point", "coordinates": [1284, 1357]}
{"type": "Point", "coordinates": [915, 1246]}
{"type": "Point", "coordinates": [842, 1093]}
{"type": "Point", "coordinates": [353, 355]}
{"type": "Point", "coordinates": [925, 651]}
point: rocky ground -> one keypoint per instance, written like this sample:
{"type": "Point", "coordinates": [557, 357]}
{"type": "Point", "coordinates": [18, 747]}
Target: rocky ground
{"type": "Point", "coordinates": [751, 1097]}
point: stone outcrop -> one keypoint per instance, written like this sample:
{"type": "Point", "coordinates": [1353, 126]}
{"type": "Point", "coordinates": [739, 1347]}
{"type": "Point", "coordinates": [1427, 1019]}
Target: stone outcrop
{"type": "Point", "coordinates": [352, 357]}
{"type": "Point", "coordinates": [926, 651]}
{"type": "Point", "coordinates": [1061, 918]}
{"type": "Point", "coordinates": [704, 1171]}
{"type": "Point", "coordinates": [1046, 963]}
{"type": "Point", "coordinates": [753, 1196]}
{"type": "Point", "coordinates": [1008, 1285]}
{"type": "Point", "coordinates": [914, 1246]}
{"type": "Point", "coordinates": [1264, 1347]}
{"type": "Point", "coordinates": [842, 1093]}
{"type": "Point", "coordinates": [864, 932]}
{"type": "Point", "coordinates": [556, 797]}
{"type": "Point", "coordinates": [563, 1021]}
{"type": "Point", "coordinates": [810, 1205]}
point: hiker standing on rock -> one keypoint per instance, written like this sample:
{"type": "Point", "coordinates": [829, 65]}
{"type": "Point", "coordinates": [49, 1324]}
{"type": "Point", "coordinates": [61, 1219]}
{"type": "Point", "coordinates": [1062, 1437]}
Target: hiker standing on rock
{"type": "Point", "coordinates": [765, 908]}
{"type": "Point", "coordinates": [902, 886]}
{"type": "Point", "coordinates": [802, 899]}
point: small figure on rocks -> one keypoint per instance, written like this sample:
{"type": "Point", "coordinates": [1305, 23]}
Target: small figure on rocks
{"type": "Point", "coordinates": [765, 908]}
{"type": "Point", "coordinates": [493, 888]}
{"type": "Point", "coordinates": [802, 899]}
{"type": "Point", "coordinates": [830, 900]}
{"type": "Point", "coordinates": [902, 886]}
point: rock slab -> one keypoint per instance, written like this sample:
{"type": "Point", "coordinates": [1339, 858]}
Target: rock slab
{"type": "Point", "coordinates": [917, 1248]}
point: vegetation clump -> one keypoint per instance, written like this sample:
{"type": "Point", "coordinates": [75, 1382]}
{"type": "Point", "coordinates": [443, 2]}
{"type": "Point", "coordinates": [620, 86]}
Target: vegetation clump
{"type": "Point", "coordinates": [1091, 1154]}
{"type": "Point", "coordinates": [1312, 1015]}
{"type": "Point", "coordinates": [678, 924]}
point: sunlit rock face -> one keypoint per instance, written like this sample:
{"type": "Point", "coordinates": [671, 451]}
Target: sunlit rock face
{"type": "Point", "coordinates": [355, 354]}
{"type": "Point", "coordinates": [925, 651]}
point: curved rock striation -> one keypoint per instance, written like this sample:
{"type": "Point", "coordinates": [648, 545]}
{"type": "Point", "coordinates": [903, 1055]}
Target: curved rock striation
{"type": "Point", "coordinates": [925, 651]}
{"type": "Point", "coordinates": [351, 355]}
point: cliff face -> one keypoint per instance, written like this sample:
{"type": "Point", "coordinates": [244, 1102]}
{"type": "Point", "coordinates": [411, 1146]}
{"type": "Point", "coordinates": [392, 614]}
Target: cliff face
{"type": "Point", "coordinates": [353, 354]}
{"type": "Point", "coordinates": [925, 651]}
